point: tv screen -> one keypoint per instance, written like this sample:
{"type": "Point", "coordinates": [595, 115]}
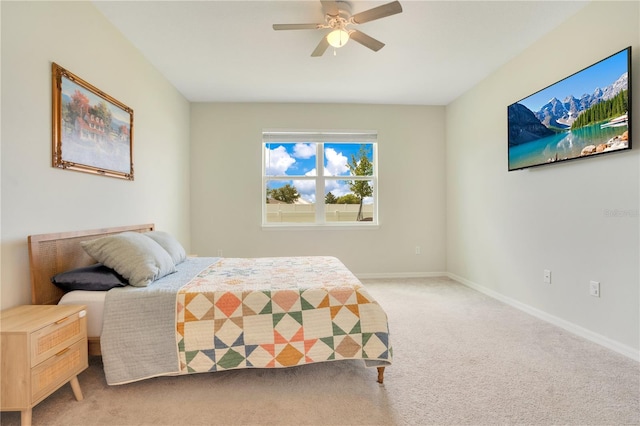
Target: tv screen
{"type": "Point", "coordinates": [584, 115]}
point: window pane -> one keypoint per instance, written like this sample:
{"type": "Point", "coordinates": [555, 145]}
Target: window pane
{"type": "Point", "coordinates": [345, 159]}
{"type": "Point", "coordinates": [290, 159]}
{"type": "Point", "coordinates": [290, 201]}
{"type": "Point", "coordinates": [342, 200]}
{"type": "Point", "coordinates": [339, 168]}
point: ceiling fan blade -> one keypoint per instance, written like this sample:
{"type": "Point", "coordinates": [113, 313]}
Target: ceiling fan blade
{"type": "Point", "coordinates": [278, 27]}
{"type": "Point", "coordinates": [377, 13]}
{"type": "Point", "coordinates": [365, 40]}
{"type": "Point", "coordinates": [330, 7]}
{"type": "Point", "coordinates": [321, 48]}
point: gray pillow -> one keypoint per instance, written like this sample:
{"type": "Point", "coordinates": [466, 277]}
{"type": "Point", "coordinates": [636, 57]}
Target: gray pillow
{"type": "Point", "coordinates": [139, 259]}
{"type": "Point", "coordinates": [89, 278]}
{"type": "Point", "coordinates": [170, 244]}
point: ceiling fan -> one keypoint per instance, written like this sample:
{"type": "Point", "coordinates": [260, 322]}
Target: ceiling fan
{"type": "Point", "coordinates": [338, 18]}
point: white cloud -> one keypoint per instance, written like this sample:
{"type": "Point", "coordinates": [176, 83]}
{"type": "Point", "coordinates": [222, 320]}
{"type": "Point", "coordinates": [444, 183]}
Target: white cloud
{"type": "Point", "coordinates": [336, 163]}
{"type": "Point", "coordinates": [304, 150]}
{"type": "Point", "coordinates": [337, 187]}
{"type": "Point", "coordinates": [278, 161]}
{"type": "Point", "coordinates": [309, 198]}
{"type": "Point", "coordinates": [307, 188]}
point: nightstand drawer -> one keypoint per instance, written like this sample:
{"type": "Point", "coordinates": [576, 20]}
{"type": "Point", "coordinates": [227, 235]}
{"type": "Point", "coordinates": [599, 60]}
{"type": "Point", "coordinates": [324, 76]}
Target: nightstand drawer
{"type": "Point", "coordinates": [52, 339]}
{"type": "Point", "coordinates": [55, 371]}
{"type": "Point", "coordinates": [42, 347]}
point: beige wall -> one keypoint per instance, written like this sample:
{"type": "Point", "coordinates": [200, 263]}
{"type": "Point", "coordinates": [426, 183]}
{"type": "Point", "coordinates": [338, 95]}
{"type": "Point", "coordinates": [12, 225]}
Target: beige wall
{"type": "Point", "coordinates": [226, 171]}
{"type": "Point", "coordinates": [492, 229]}
{"type": "Point", "coordinates": [504, 228]}
{"type": "Point", "coordinates": [36, 198]}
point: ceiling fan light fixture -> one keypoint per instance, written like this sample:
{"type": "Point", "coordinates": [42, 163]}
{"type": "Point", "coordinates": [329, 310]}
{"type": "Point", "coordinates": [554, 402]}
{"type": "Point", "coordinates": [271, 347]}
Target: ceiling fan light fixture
{"type": "Point", "coordinates": [338, 20]}
{"type": "Point", "coordinates": [338, 38]}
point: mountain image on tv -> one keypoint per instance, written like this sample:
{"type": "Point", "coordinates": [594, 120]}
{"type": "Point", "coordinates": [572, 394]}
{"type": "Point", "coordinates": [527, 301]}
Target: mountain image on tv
{"type": "Point", "coordinates": [584, 114]}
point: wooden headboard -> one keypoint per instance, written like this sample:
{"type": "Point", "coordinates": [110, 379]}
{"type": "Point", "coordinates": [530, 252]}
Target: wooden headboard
{"type": "Point", "coordinates": [50, 254]}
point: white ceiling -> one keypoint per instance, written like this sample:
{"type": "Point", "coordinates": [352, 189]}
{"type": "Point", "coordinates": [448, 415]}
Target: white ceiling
{"type": "Point", "coordinates": [227, 51]}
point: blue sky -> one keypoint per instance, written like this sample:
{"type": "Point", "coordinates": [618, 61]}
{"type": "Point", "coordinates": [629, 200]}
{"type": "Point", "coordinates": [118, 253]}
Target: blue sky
{"type": "Point", "coordinates": [299, 159]}
{"type": "Point", "coordinates": [600, 75]}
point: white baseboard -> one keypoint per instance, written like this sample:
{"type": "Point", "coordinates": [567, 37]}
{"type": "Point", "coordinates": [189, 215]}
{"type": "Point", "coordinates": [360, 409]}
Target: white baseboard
{"type": "Point", "coordinates": [401, 275]}
{"type": "Point", "coordinates": [572, 328]}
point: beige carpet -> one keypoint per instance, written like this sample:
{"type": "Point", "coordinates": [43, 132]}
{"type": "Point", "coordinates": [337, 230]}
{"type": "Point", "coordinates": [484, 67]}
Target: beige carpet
{"type": "Point", "coordinates": [460, 358]}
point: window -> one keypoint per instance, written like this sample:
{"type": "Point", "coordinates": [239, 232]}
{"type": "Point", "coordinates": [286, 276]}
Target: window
{"type": "Point", "coordinates": [319, 179]}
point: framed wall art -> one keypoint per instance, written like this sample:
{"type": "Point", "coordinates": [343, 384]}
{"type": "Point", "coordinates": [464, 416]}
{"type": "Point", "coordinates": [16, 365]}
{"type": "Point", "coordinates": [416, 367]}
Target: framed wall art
{"type": "Point", "coordinates": [92, 132]}
{"type": "Point", "coordinates": [585, 115]}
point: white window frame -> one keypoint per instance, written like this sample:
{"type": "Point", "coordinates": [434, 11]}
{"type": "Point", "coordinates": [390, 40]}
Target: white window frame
{"type": "Point", "coordinates": [320, 138]}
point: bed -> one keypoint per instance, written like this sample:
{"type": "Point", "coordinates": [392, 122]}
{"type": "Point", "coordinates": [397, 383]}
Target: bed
{"type": "Point", "coordinates": [212, 314]}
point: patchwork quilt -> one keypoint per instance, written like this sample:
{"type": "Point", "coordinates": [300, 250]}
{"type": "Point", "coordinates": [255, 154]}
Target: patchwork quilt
{"type": "Point", "coordinates": [277, 312]}
{"type": "Point", "coordinates": [218, 314]}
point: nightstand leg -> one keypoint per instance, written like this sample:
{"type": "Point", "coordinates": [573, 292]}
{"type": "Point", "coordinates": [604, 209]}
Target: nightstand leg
{"type": "Point", "coordinates": [75, 386]}
{"type": "Point", "coordinates": [25, 417]}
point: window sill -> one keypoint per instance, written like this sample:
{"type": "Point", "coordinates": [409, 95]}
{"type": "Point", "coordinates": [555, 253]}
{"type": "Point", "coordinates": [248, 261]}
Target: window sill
{"type": "Point", "coordinates": [320, 227]}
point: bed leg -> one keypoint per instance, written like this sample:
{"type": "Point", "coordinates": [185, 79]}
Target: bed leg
{"type": "Point", "coordinates": [380, 374]}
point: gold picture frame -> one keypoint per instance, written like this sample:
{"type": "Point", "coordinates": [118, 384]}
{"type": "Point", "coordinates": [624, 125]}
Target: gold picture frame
{"type": "Point", "coordinates": [92, 132]}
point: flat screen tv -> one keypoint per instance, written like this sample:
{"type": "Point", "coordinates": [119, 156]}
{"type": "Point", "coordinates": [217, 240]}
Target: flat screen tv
{"type": "Point", "coordinates": [585, 115]}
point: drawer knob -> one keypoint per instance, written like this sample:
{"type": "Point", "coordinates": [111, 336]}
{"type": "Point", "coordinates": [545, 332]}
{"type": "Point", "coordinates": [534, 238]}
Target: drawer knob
{"type": "Point", "coordinates": [63, 351]}
{"type": "Point", "coordinates": [62, 320]}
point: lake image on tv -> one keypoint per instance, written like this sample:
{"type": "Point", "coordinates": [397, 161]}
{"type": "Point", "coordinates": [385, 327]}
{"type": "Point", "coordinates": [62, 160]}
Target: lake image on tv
{"type": "Point", "coordinates": [545, 129]}
{"type": "Point", "coordinates": [568, 144]}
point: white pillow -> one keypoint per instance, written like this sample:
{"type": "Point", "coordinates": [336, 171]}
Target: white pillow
{"type": "Point", "coordinates": [170, 244]}
{"type": "Point", "coordinates": [137, 258]}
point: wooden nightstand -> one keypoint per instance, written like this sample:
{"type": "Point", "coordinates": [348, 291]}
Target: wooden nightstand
{"type": "Point", "coordinates": [42, 348]}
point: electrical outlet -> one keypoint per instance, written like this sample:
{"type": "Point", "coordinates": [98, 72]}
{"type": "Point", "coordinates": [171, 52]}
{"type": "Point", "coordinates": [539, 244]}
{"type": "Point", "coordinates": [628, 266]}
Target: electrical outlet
{"type": "Point", "coordinates": [546, 276]}
{"type": "Point", "coordinates": [594, 288]}
{"type": "Point", "coordinates": [418, 251]}
{"type": "Point", "coordinates": [219, 252]}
